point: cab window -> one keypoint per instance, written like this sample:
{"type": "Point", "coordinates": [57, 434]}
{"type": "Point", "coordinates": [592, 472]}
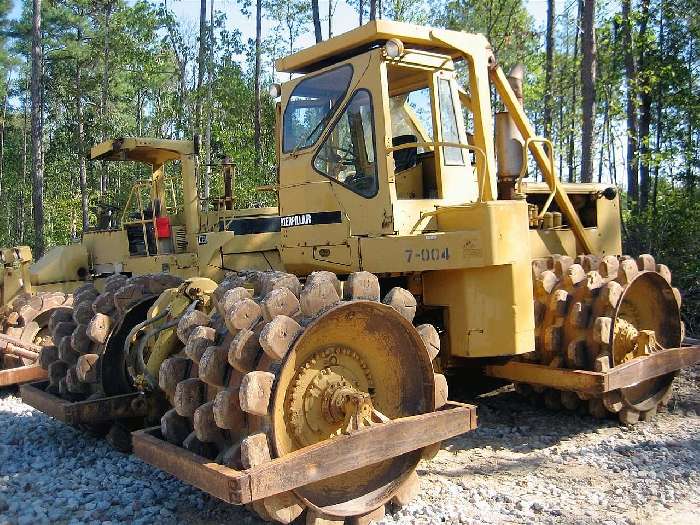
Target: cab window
{"type": "Point", "coordinates": [348, 153]}
{"type": "Point", "coordinates": [411, 116]}
{"type": "Point", "coordinates": [448, 119]}
{"type": "Point", "coordinates": [311, 105]}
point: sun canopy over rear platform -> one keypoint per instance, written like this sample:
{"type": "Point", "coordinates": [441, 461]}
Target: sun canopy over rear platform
{"type": "Point", "coordinates": [151, 151]}
{"type": "Point", "coordinates": [370, 35]}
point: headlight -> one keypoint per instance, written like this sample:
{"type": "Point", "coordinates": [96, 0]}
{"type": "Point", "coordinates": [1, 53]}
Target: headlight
{"type": "Point", "coordinates": [275, 90]}
{"type": "Point", "coordinates": [393, 48]}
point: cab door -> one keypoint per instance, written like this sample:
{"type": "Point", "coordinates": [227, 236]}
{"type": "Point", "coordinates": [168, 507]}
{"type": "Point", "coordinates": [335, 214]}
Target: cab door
{"type": "Point", "coordinates": [455, 173]}
{"type": "Point", "coordinates": [333, 186]}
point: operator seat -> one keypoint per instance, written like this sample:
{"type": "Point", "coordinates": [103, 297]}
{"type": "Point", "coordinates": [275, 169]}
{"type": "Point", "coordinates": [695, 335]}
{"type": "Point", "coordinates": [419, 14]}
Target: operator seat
{"type": "Point", "coordinates": [405, 158]}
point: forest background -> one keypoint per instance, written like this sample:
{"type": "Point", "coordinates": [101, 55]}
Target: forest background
{"type": "Point", "coordinates": [613, 84]}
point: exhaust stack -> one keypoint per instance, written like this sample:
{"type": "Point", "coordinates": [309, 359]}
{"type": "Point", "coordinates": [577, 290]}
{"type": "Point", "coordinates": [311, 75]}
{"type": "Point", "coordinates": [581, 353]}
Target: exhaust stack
{"type": "Point", "coordinates": [509, 141]}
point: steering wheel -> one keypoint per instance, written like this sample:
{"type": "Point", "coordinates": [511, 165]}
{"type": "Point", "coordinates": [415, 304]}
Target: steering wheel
{"type": "Point", "coordinates": [345, 159]}
{"type": "Point", "coordinates": [360, 181]}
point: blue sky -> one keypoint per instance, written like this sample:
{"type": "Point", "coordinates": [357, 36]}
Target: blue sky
{"type": "Point", "coordinates": [344, 19]}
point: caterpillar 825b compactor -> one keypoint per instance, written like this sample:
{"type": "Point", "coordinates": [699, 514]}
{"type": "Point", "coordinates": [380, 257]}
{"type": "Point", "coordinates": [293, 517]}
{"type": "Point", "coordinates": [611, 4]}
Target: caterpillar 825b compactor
{"type": "Point", "coordinates": [294, 359]}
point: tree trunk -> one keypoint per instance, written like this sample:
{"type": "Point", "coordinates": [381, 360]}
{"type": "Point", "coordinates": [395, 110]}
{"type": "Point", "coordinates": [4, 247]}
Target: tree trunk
{"type": "Point", "coordinates": [372, 9]}
{"type": "Point", "coordinates": [317, 20]}
{"type": "Point", "coordinates": [362, 11]}
{"type": "Point", "coordinates": [79, 133]}
{"type": "Point", "coordinates": [20, 199]}
{"type": "Point", "coordinates": [630, 103]}
{"type": "Point", "coordinates": [574, 83]}
{"type": "Point", "coordinates": [688, 145]}
{"type": "Point", "coordinates": [610, 146]}
{"type": "Point", "coordinates": [588, 89]}
{"type": "Point", "coordinates": [603, 129]}
{"type": "Point", "coordinates": [201, 66]}
{"type": "Point", "coordinates": [644, 110]}
{"type": "Point", "coordinates": [210, 98]}
{"type": "Point", "coordinates": [37, 132]}
{"type": "Point", "coordinates": [2, 136]}
{"type": "Point", "coordinates": [104, 179]}
{"type": "Point", "coordinates": [330, 18]}
{"type": "Point", "coordinates": [256, 118]}
{"type": "Point", "coordinates": [659, 108]}
{"type": "Point", "coordinates": [549, 71]}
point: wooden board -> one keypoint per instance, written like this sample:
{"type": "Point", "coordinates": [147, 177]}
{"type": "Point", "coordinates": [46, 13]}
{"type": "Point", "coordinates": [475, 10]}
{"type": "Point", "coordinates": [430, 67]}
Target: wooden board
{"type": "Point", "coordinates": [22, 374]}
{"type": "Point", "coordinates": [314, 463]}
{"type": "Point", "coordinates": [93, 411]}
{"type": "Point", "coordinates": [622, 376]}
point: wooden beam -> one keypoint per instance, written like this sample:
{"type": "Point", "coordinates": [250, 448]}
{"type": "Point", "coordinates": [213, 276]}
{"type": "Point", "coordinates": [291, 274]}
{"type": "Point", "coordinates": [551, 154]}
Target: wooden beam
{"type": "Point", "coordinates": [22, 374]}
{"type": "Point", "coordinates": [324, 460]}
{"type": "Point", "coordinates": [92, 411]}
{"type": "Point", "coordinates": [622, 376]}
{"type": "Point", "coordinates": [559, 378]}
{"type": "Point", "coordinates": [655, 365]}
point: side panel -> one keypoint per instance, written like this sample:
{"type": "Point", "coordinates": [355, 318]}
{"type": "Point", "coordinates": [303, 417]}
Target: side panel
{"type": "Point", "coordinates": [106, 247]}
{"type": "Point", "coordinates": [60, 264]}
{"type": "Point", "coordinates": [221, 252]}
{"type": "Point", "coordinates": [183, 265]}
{"type": "Point", "coordinates": [14, 273]}
{"type": "Point", "coordinates": [340, 258]}
{"type": "Point", "coordinates": [605, 238]}
{"type": "Point", "coordinates": [488, 310]}
{"type": "Point", "coordinates": [488, 306]}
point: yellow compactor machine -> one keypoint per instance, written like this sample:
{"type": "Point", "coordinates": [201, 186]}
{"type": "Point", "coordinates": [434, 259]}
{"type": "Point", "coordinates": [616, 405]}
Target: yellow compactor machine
{"type": "Point", "coordinates": [294, 359]}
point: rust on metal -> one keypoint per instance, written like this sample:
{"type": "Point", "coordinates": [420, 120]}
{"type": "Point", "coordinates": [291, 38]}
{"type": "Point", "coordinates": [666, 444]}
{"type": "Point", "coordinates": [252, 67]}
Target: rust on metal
{"type": "Point", "coordinates": [310, 464]}
{"type": "Point", "coordinates": [15, 346]}
{"type": "Point", "coordinates": [21, 374]}
{"type": "Point", "coordinates": [91, 411]}
{"type": "Point", "coordinates": [625, 375]}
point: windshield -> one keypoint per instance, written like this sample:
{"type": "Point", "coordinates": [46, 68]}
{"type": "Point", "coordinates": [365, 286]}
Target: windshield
{"type": "Point", "coordinates": [347, 155]}
{"type": "Point", "coordinates": [311, 105]}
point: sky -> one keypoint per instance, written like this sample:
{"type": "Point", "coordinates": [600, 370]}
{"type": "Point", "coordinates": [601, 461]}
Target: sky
{"type": "Point", "coordinates": [344, 19]}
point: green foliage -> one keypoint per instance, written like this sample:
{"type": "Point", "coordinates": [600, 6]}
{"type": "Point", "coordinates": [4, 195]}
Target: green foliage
{"type": "Point", "coordinates": [151, 71]}
{"type": "Point", "coordinates": [671, 232]}
{"type": "Point", "coordinates": [148, 58]}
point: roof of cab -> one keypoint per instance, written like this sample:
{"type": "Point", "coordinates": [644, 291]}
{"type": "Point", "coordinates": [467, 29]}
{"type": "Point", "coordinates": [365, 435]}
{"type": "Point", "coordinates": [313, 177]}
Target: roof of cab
{"type": "Point", "coordinates": [364, 37]}
{"type": "Point", "coordinates": [149, 150]}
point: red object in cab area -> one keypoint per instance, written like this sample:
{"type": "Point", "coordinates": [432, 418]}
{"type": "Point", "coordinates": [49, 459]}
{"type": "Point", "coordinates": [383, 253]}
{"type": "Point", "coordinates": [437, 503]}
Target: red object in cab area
{"type": "Point", "coordinates": [163, 227]}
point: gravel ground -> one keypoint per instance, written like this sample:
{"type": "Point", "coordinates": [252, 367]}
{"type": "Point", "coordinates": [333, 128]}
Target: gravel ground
{"type": "Point", "coordinates": [523, 465]}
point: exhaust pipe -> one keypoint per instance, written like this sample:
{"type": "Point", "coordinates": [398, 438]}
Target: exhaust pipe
{"type": "Point", "coordinates": [509, 141]}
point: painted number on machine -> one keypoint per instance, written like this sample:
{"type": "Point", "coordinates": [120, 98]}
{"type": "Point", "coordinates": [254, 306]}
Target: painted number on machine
{"type": "Point", "coordinates": [427, 255]}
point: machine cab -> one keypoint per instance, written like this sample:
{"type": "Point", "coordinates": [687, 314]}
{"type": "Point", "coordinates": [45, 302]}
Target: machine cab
{"type": "Point", "coordinates": [372, 137]}
{"type": "Point", "coordinates": [161, 213]}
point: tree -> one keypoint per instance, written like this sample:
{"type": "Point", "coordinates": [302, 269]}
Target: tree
{"type": "Point", "coordinates": [317, 21]}
{"type": "Point", "coordinates": [573, 124]}
{"type": "Point", "coordinates": [505, 23]}
{"type": "Point", "coordinates": [588, 88]}
{"type": "Point", "coordinates": [210, 99]}
{"type": "Point", "coordinates": [646, 81]}
{"type": "Point", "coordinates": [37, 131]}
{"type": "Point", "coordinates": [79, 135]}
{"type": "Point", "coordinates": [631, 102]}
{"type": "Point", "coordinates": [258, 41]}
{"type": "Point", "coordinates": [201, 64]}
{"type": "Point", "coordinates": [549, 70]}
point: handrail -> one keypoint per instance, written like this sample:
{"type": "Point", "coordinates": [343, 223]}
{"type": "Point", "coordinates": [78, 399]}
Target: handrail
{"type": "Point", "coordinates": [442, 144]}
{"type": "Point", "coordinates": [526, 130]}
{"type": "Point", "coordinates": [523, 169]}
